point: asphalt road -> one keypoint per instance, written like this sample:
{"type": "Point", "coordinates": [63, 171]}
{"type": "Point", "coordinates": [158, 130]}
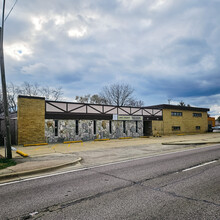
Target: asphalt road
{"type": "Point", "coordinates": [182, 185]}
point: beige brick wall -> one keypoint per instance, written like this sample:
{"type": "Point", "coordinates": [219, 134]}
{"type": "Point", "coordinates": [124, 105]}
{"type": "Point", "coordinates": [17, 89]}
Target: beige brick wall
{"type": "Point", "coordinates": [31, 120]}
{"type": "Point", "coordinates": [157, 128]}
{"type": "Point", "coordinates": [187, 122]}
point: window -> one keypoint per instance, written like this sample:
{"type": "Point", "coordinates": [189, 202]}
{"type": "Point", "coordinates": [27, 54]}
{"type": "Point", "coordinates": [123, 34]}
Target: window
{"type": "Point", "coordinates": [197, 127]}
{"type": "Point", "coordinates": [77, 127]}
{"type": "Point", "coordinates": [197, 114]}
{"type": "Point", "coordinates": [124, 127]}
{"type": "Point", "coordinates": [94, 127]}
{"type": "Point", "coordinates": [176, 114]}
{"type": "Point", "coordinates": [110, 127]}
{"type": "Point", "coordinates": [56, 128]}
{"type": "Point", "coordinates": [175, 128]}
{"type": "Point", "coordinates": [136, 126]}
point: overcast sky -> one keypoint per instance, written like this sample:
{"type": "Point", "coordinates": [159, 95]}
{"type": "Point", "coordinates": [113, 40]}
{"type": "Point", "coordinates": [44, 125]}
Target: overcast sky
{"type": "Point", "coordinates": [165, 49]}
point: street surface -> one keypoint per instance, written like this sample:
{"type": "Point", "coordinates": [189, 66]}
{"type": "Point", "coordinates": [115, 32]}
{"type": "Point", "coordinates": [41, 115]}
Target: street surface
{"type": "Point", "coordinates": [181, 185]}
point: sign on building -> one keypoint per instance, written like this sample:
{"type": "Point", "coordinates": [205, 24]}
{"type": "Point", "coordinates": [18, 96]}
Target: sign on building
{"type": "Point", "coordinates": [127, 118]}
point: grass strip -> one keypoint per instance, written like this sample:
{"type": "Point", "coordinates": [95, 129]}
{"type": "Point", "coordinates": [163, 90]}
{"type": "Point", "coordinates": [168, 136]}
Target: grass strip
{"type": "Point", "coordinates": [4, 162]}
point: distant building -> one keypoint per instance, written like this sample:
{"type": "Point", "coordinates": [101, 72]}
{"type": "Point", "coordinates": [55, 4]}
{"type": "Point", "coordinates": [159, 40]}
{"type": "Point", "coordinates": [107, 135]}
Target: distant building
{"type": "Point", "coordinates": [39, 120]}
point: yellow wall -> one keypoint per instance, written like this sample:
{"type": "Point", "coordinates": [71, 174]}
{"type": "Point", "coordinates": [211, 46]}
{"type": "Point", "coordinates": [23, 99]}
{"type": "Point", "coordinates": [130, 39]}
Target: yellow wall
{"type": "Point", "coordinates": [187, 122]}
{"type": "Point", "coordinates": [31, 120]}
{"type": "Point", "coordinates": [157, 128]}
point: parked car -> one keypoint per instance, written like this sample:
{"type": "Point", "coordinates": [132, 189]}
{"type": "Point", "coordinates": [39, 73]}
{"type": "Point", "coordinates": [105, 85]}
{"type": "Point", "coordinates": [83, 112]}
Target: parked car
{"type": "Point", "coordinates": [216, 129]}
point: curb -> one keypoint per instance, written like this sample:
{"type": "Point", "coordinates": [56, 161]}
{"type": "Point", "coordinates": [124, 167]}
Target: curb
{"type": "Point", "coordinates": [196, 143]}
{"type": "Point", "coordinates": [36, 171]}
{"type": "Point", "coordinates": [105, 139]}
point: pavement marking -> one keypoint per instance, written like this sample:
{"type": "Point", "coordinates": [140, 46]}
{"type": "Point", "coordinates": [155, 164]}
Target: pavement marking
{"type": "Point", "coordinates": [102, 165]}
{"type": "Point", "coordinates": [68, 145]}
{"type": "Point", "coordinates": [201, 165]}
{"type": "Point", "coordinates": [38, 148]}
{"type": "Point", "coordinates": [53, 147]}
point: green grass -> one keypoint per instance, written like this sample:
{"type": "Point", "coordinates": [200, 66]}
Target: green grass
{"type": "Point", "coordinates": [6, 163]}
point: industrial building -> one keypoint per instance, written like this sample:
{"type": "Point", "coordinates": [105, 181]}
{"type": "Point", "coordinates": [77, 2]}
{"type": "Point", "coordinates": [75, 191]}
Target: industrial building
{"type": "Point", "coordinates": [39, 120]}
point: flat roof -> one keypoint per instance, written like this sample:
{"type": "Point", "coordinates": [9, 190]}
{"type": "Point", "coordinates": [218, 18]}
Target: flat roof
{"type": "Point", "coordinates": [178, 107]}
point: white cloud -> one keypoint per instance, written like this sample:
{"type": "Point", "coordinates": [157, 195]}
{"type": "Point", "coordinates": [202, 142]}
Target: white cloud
{"type": "Point", "coordinates": [18, 51]}
{"type": "Point", "coordinates": [163, 48]}
{"type": "Point", "coordinates": [39, 21]}
{"type": "Point", "coordinates": [130, 4]}
{"type": "Point", "coordinates": [77, 32]}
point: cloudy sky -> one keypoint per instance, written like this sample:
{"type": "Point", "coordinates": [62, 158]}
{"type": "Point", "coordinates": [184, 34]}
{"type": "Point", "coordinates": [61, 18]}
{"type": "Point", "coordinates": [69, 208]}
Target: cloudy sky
{"type": "Point", "coordinates": [165, 49]}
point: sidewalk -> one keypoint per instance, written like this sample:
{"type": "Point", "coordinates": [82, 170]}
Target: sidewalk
{"type": "Point", "coordinates": [48, 158]}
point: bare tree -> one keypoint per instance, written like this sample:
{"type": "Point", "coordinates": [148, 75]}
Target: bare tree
{"type": "Point", "coordinates": [29, 89]}
{"type": "Point", "coordinates": [182, 103]}
{"type": "Point", "coordinates": [94, 99]}
{"type": "Point", "coordinates": [120, 95]}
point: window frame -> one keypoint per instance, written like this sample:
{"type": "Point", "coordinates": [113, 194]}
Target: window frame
{"type": "Point", "coordinates": [179, 114]}
{"type": "Point", "coordinates": [124, 127]}
{"type": "Point", "coordinates": [197, 115]}
{"type": "Point", "coordinates": [174, 128]}
{"type": "Point", "coordinates": [94, 127]}
{"type": "Point", "coordinates": [110, 127]}
{"type": "Point", "coordinates": [56, 127]}
{"type": "Point", "coordinates": [77, 127]}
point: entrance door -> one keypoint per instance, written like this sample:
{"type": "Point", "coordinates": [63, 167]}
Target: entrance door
{"type": "Point", "coordinates": [147, 128]}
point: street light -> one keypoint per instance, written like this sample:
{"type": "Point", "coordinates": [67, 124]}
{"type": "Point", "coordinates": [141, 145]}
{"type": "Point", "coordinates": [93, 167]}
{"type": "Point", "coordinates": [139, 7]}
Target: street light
{"type": "Point", "coordinates": [4, 91]}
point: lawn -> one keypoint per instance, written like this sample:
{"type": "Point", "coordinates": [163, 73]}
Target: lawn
{"type": "Point", "coordinates": [6, 163]}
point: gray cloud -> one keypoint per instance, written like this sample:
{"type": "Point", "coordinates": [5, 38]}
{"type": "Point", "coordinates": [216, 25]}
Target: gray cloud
{"type": "Point", "coordinates": [164, 49]}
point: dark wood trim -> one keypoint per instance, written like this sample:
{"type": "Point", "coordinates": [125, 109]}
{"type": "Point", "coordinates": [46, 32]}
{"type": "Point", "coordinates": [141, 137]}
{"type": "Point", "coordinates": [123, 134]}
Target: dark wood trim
{"type": "Point", "coordinates": [124, 110]}
{"type": "Point", "coordinates": [77, 108]}
{"type": "Point", "coordinates": [83, 116]}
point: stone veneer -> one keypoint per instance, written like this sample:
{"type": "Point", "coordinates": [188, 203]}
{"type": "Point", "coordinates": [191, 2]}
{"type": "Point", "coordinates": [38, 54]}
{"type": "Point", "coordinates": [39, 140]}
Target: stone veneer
{"type": "Point", "coordinates": [67, 130]}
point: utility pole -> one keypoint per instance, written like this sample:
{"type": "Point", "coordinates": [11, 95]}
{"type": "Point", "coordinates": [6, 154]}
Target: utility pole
{"type": "Point", "coordinates": [4, 90]}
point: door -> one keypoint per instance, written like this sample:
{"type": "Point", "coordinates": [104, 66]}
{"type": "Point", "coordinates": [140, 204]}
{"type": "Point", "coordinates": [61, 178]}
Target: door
{"type": "Point", "coordinates": [147, 128]}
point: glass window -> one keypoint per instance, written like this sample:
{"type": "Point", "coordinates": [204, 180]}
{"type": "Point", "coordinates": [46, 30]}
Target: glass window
{"type": "Point", "coordinates": [197, 127]}
{"type": "Point", "coordinates": [176, 114]}
{"type": "Point", "coordinates": [56, 128]}
{"type": "Point", "coordinates": [77, 127]}
{"type": "Point", "coordinates": [175, 128]}
{"type": "Point", "coordinates": [94, 127]}
{"type": "Point", "coordinates": [197, 114]}
{"type": "Point", "coordinates": [136, 126]}
{"type": "Point", "coordinates": [124, 127]}
{"type": "Point", "coordinates": [110, 127]}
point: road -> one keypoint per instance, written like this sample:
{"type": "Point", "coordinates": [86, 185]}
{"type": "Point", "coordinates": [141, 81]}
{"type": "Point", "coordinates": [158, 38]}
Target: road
{"type": "Point", "coordinates": [181, 185]}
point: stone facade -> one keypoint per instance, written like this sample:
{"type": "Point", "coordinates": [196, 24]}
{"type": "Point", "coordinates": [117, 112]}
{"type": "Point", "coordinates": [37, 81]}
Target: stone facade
{"type": "Point", "coordinates": [31, 120]}
{"type": "Point", "coordinates": [67, 130]}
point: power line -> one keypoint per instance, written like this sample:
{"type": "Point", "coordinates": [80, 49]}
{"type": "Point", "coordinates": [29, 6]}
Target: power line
{"type": "Point", "coordinates": [11, 10]}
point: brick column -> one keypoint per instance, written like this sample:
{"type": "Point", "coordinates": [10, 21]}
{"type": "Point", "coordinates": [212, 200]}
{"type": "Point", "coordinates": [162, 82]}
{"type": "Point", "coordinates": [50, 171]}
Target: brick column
{"type": "Point", "coordinates": [31, 119]}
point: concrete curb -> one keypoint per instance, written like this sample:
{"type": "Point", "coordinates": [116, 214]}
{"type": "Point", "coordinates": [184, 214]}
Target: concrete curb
{"type": "Point", "coordinates": [9, 176]}
{"type": "Point", "coordinates": [196, 143]}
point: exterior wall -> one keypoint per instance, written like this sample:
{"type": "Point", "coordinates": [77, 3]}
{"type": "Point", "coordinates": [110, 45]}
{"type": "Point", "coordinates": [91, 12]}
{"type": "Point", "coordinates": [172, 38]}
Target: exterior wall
{"type": "Point", "coordinates": [67, 130]}
{"type": "Point", "coordinates": [157, 128]}
{"type": "Point", "coordinates": [187, 122]}
{"type": "Point", "coordinates": [31, 120]}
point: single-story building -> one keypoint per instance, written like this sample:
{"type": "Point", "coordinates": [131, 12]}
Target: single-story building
{"type": "Point", "coordinates": [40, 120]}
